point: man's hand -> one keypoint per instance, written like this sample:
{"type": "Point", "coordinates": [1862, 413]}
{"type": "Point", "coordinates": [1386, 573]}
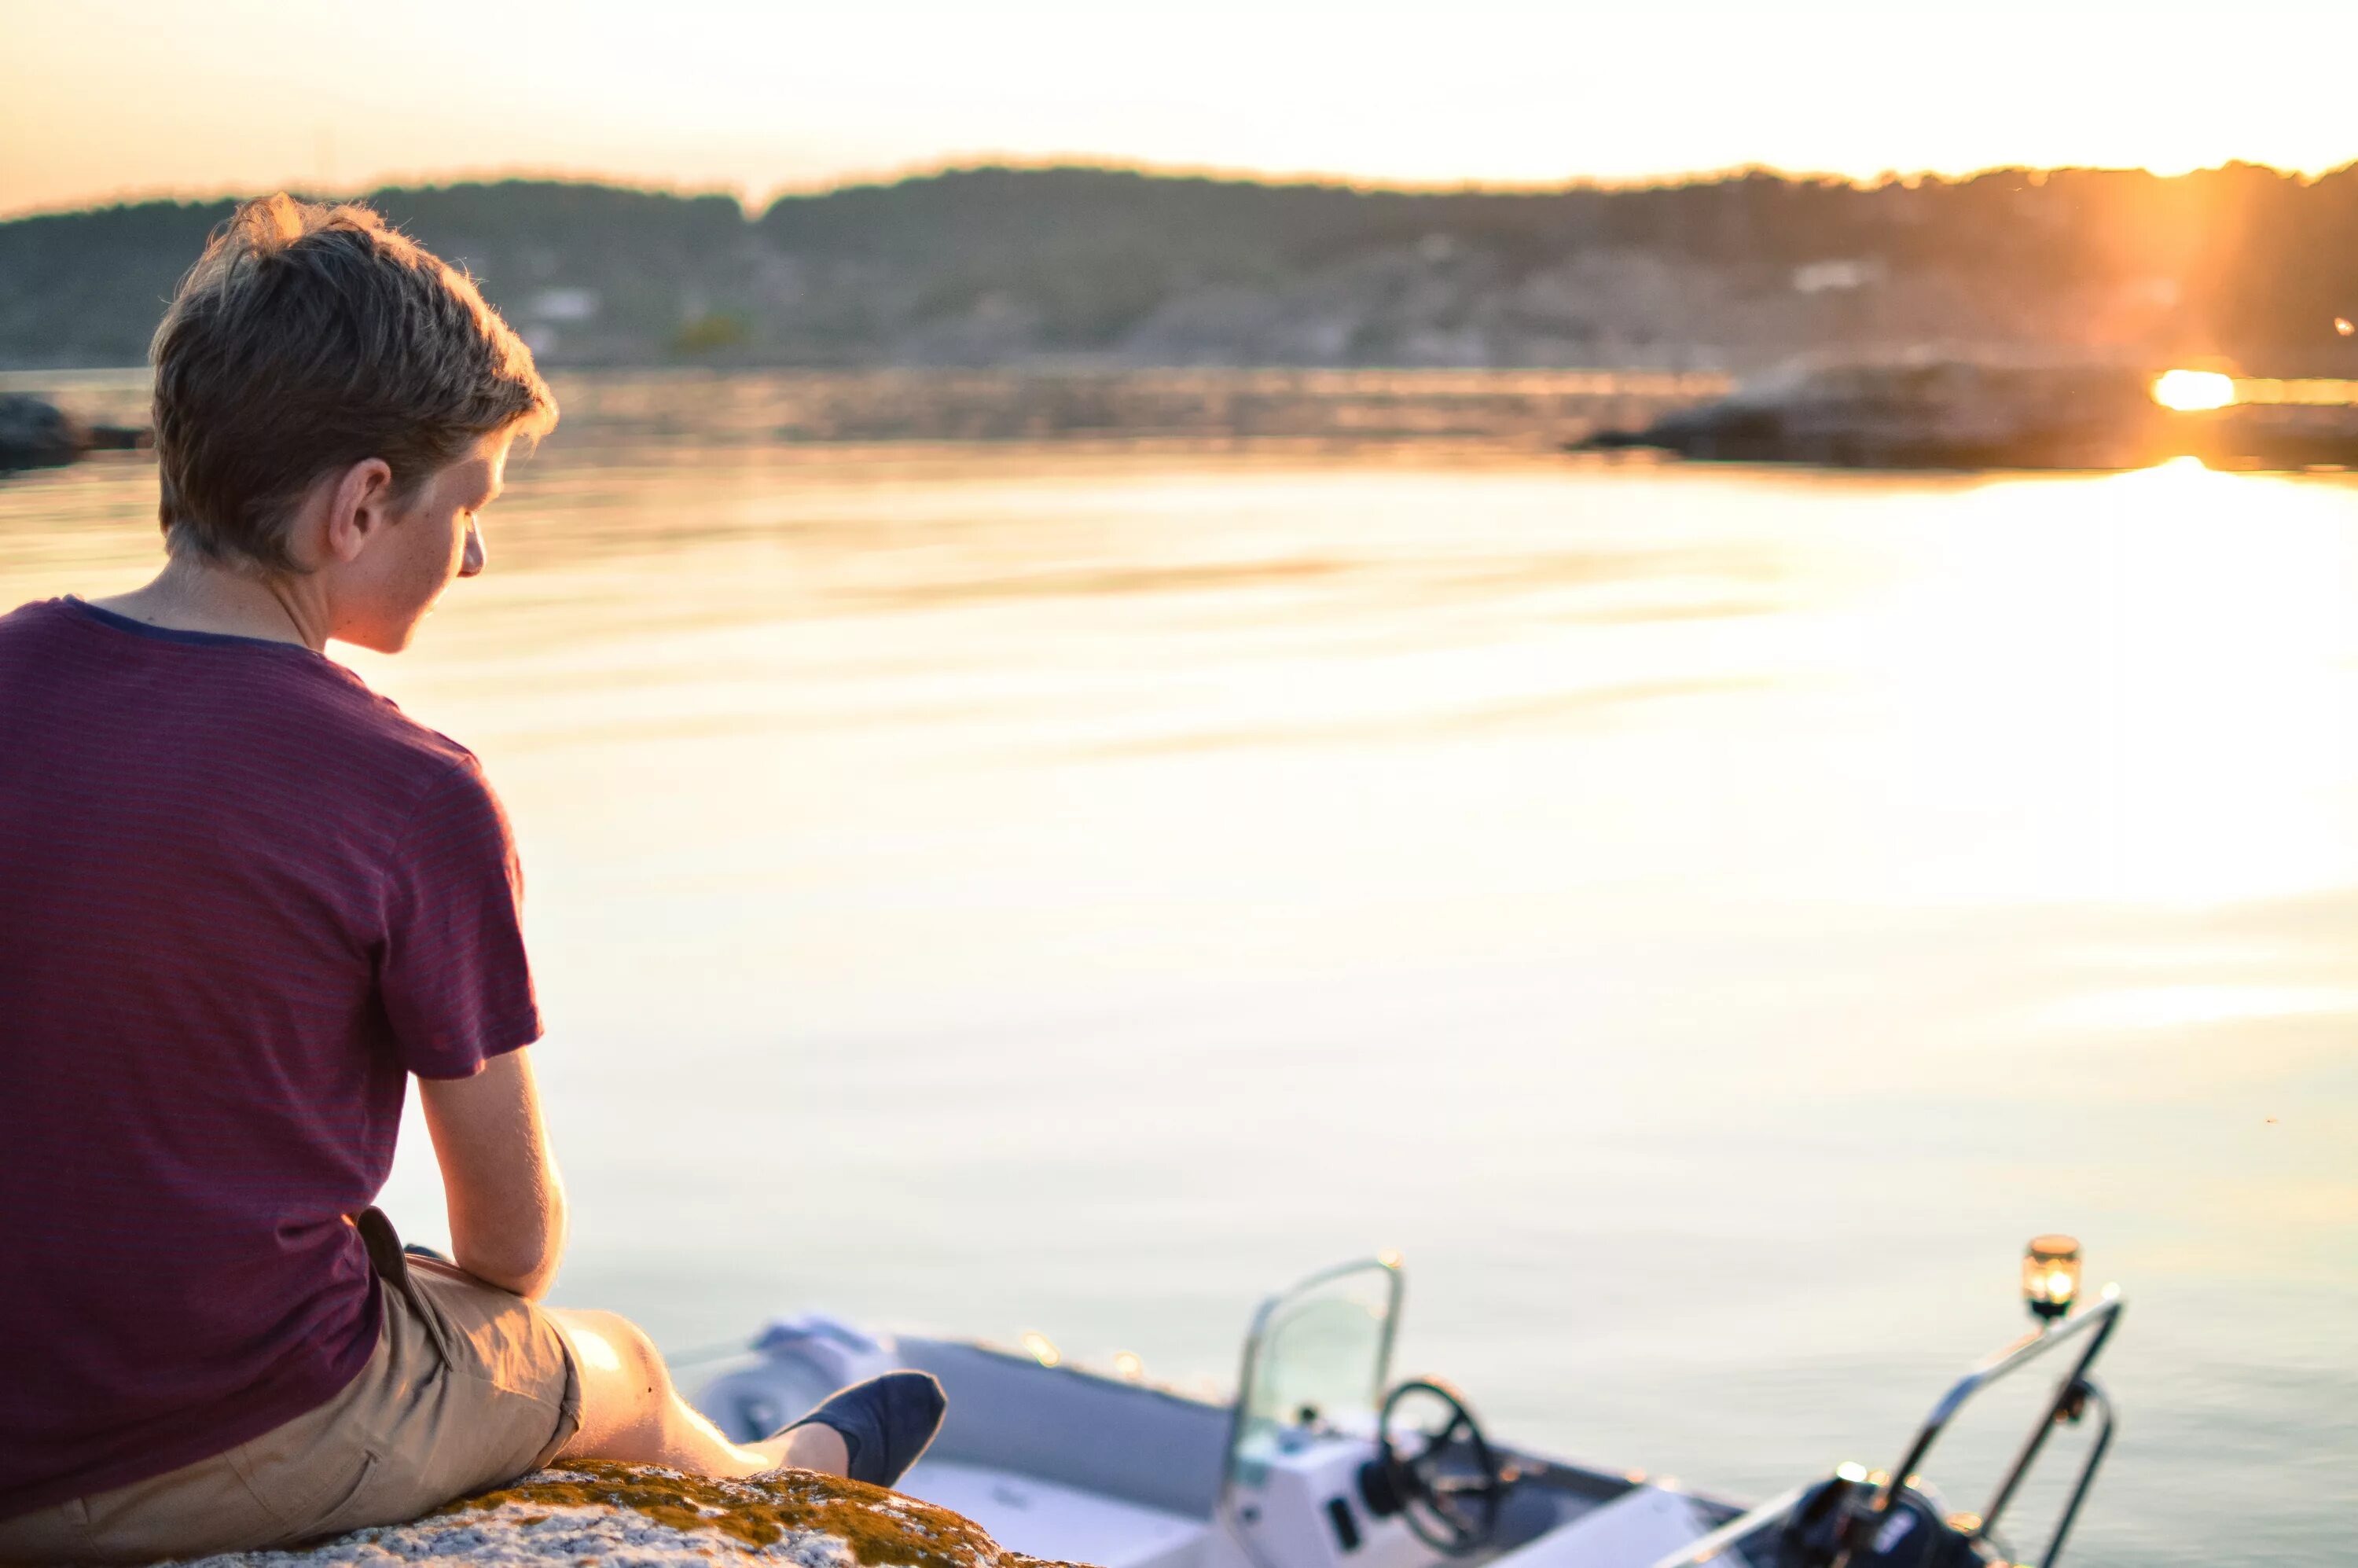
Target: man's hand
{"type": "Point", "coordinates": [506, 1201]}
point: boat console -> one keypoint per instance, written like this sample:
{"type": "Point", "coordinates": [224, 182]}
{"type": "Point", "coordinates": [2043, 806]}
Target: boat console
{"type": "Point", "coordinates": [1322, 1461]}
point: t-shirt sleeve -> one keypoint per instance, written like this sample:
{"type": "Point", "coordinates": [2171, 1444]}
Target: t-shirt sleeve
{"type": "Point", "coordinates": [451, 971]}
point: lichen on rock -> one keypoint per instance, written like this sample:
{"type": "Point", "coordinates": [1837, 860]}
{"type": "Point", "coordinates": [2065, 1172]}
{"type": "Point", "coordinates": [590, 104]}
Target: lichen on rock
{"type": "Point", "coordinates": [597, 1514]}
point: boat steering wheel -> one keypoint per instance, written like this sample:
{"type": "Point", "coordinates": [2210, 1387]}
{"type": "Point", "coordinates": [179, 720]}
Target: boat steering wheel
{"type": "Point", "coordinates": [1446, 1481]}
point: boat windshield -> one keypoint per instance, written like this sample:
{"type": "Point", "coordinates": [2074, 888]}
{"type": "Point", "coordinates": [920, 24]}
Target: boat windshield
{"type": "Point", "coordinates": [1318, 1356]}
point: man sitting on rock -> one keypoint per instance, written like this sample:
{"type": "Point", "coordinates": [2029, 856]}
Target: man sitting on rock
{"type": "Point", "coordinates": [242, 900]}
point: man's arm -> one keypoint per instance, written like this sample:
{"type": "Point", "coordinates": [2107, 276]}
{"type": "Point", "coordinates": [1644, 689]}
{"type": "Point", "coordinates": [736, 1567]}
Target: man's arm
{"type": "Point", "coordinates": [506, 1201]}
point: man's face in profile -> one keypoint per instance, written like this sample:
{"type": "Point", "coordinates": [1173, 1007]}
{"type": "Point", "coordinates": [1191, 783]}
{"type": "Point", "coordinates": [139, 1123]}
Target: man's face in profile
{"type": "Point", "coordinates": [434, 539]}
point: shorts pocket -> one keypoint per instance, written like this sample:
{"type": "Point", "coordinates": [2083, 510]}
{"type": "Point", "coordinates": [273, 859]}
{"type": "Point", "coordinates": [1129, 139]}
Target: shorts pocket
{"type": "Point", "coordinates": [489, 1436]}
{"type": "Point", "coordinates": [306, 1492]}
{"type": "Point", "coordinates": [364, 1503]}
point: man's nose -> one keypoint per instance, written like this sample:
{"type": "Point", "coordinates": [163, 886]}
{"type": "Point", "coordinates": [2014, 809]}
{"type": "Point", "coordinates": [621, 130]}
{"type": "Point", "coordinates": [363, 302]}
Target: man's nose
{"type": "Point", "coordinates": [471, 560]}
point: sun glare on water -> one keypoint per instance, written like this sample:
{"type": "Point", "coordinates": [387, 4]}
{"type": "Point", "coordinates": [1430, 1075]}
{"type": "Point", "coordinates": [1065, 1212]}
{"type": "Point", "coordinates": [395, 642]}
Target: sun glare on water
{"type": "Point", "coordinates": [2189, 391]}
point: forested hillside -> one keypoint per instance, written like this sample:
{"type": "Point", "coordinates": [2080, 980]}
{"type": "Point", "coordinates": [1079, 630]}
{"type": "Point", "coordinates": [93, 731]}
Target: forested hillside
{"type": "Point", "coordinates": [1007, 266]}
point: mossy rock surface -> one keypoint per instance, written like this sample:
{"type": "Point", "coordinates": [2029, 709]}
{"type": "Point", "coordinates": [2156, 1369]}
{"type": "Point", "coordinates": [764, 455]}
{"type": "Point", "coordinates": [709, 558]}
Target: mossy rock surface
{"type": "Point", "coordinates": [594, 1514]}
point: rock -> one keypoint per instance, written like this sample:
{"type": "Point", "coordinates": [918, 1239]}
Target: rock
{"type": "Point", "coordinates": [641, 1515]}
{"type": "Point", "coordinates": [121, 439]}
{"type": "Point", "coordinates": [38, 435]}
{"type": "Point", "coordinates": [1916, 412]}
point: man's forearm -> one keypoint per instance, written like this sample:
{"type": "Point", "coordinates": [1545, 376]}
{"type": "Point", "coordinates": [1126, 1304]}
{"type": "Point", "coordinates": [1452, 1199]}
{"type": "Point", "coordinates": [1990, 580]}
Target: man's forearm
{"type": "Point", "coordinates": [499, 1182]}
{"type": "Point", "coordinates": [523, 1257]}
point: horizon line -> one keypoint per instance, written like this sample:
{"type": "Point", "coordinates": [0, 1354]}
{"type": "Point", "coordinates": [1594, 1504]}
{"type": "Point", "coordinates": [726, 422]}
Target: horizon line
{"type": "Point", "coordinates": [982, 162]}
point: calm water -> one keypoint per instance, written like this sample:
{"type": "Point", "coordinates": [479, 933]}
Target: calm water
{"type": "Point", "coordinates": [1707, 919]}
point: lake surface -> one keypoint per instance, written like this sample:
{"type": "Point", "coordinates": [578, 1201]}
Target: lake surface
{"type": "Point", "coordinates": [1706, 918]}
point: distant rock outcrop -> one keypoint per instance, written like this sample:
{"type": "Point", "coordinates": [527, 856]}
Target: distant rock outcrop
{"type": "Point", "coordinates": [37, 434]}
{"type": "Point", "coordinates": [1924, 413]}
{"type": "Point", "coordinates": [593, 1511]}
{"type": "Point", "coordinates": [1954, 413]}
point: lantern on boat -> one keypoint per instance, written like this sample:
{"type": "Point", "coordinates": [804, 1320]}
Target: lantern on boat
{"type": "Point", "coordinates": [2050, 1275]}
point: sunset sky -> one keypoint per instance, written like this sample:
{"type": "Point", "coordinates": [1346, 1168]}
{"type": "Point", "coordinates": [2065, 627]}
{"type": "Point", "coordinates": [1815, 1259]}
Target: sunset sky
{"type": "Point", "coordinates": [98, 100]}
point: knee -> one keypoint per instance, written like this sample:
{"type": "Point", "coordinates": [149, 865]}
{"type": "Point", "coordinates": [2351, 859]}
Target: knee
{"type": "Point", "coordinates": [611, 1346]}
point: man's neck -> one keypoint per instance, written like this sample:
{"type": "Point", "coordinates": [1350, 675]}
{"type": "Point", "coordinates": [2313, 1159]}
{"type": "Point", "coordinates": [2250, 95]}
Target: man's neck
{"type": "Point", "coordinates": [192, 595]}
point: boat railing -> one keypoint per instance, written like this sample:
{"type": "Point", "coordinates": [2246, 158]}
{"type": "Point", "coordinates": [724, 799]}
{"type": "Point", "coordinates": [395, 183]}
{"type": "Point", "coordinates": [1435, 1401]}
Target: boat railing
{"type": "Point", "coordinates": [2090, 1327]}
{"type": "Point", "coordinates": [2073, 1393]}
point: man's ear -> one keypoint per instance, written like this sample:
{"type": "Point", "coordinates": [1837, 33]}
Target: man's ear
{"type": "Point", "coordinates": [360, 508]}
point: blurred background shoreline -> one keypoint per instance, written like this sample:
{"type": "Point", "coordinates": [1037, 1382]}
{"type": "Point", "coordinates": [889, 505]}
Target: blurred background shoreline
{"type": "Point", "coordinates": [1180, 410]}
{"type": "Point", "coordinates": [1074, 269]}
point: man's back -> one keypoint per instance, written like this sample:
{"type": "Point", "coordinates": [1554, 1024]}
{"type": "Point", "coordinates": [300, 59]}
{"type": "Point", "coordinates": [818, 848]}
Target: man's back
{"type": "Point", "coordinates": [240, 897]}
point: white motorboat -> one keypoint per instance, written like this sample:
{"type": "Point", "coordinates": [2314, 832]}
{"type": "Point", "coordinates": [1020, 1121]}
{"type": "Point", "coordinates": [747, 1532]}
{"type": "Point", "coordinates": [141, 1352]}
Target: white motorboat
{"type": "Point", "coordinates": [1321, 1461]}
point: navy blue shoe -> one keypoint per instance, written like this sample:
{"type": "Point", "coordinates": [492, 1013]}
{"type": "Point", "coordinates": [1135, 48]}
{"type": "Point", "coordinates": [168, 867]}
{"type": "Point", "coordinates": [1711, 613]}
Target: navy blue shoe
{"type": "Point", "coordinates": [885, 1423]}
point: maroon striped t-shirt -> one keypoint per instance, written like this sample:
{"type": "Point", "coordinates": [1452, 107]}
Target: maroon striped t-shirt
{"type": "Point", "coordinates": [240, 897]}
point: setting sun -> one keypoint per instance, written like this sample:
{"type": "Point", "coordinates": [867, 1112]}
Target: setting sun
{"type": "Point", "coordinates": [2189, 391]}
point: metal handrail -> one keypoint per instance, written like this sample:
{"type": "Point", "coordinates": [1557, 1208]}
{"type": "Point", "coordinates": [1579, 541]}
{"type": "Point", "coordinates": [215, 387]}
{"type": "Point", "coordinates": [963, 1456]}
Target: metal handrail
{"type": "Point", "coordinates": [2094, 1321]}
{"type": "Point", "coordinates": [2104, 1440]}
{"type": "Point", "coordinates": [2096, 1324]}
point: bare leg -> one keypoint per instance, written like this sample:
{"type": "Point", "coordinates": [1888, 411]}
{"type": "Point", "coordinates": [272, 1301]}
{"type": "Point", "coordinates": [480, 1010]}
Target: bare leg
{"type": "Point", "coordinates": [631, 1412]}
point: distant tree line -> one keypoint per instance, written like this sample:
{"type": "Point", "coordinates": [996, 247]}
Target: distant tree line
{"type": "Point", "coordinates": [1000, 265]}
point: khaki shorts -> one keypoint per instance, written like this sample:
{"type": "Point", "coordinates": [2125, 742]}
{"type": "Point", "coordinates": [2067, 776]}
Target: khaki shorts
{"type": "Point", "coordinates": [468, 1387]}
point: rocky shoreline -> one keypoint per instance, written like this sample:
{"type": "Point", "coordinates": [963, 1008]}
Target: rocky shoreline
{"type": "Point", "coordinates": [1968, 415]}
{"type": "Point", "coordinates": [36, 434]}
{"type": "Point", "coordinates": [631, 1516]}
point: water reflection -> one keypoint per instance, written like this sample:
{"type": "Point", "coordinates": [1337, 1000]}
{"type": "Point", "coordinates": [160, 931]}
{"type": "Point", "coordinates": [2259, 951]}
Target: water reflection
{"type": "Point", "coordinates": [2130, 691]}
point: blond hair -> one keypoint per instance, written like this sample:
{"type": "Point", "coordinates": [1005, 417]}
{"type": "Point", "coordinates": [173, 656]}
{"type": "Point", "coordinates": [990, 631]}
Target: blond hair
{"type": "Point", "coordinates": [306, 338]}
